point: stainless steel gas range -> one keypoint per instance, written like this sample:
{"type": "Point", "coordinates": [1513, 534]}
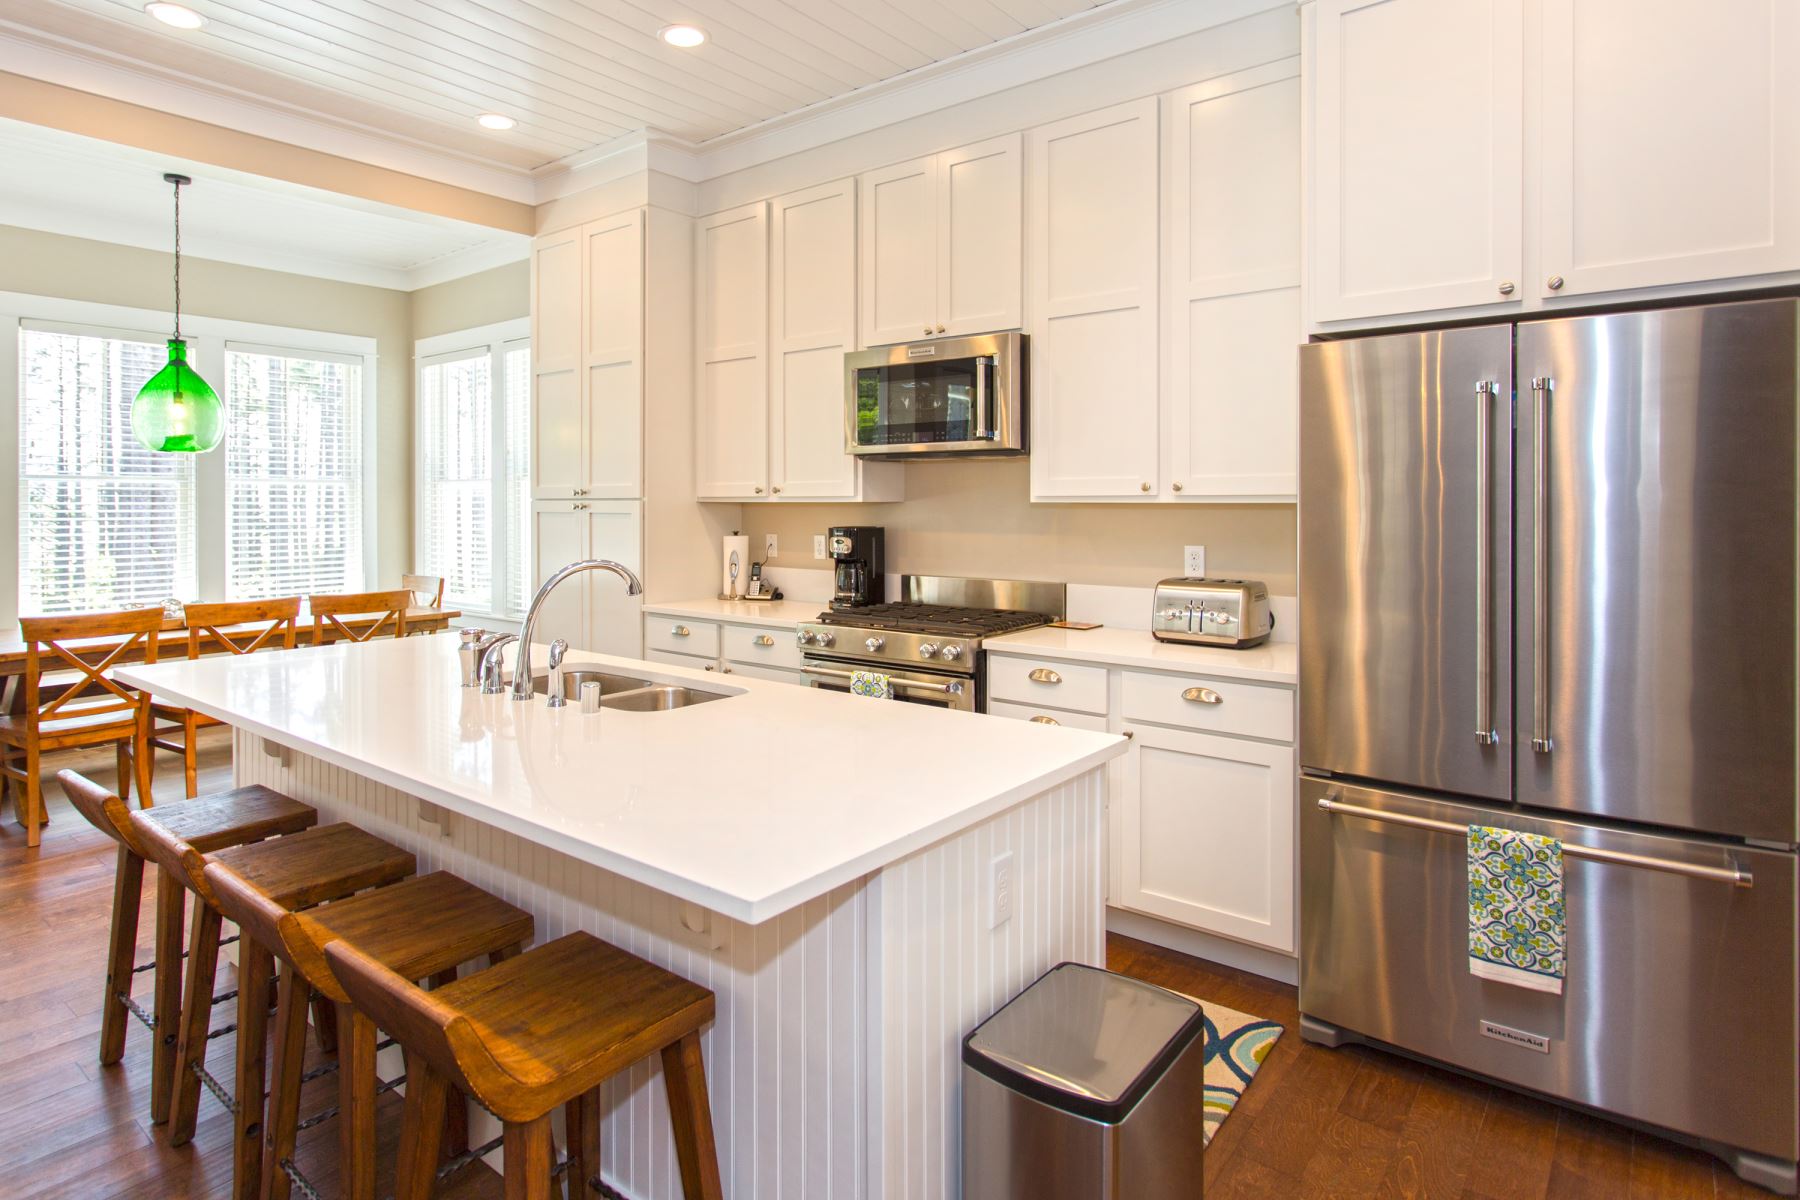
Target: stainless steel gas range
{"type": "Point", "coordinates": [929, 642]}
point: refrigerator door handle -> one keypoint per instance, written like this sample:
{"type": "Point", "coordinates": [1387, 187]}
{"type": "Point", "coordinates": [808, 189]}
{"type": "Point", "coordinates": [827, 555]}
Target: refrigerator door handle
{"type": "Point", "coordinates": [1484, 556]}
{"type": "Point", "coordinates": [1540, 567]}
{"type": "Point", "coordinates": [1736, 875]}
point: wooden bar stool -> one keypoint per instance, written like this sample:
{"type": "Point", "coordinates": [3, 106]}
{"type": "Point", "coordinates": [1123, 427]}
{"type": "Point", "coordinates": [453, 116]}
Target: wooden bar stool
{"type": "Point", "coordinates": [234, 818]}
{"type": "Point", "coordinates": [421, 928]}
{"type": "Point", "coordinates": [326, 862]}
{"type": "Point", "coordinates": [536, 1032]}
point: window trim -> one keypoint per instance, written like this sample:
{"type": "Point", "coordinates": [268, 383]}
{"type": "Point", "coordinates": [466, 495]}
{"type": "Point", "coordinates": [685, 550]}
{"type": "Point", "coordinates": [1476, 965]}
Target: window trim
{"type": "Point", "coordinates": [491, 342]}
{"type": "Point", "coordinates": [206, 338]}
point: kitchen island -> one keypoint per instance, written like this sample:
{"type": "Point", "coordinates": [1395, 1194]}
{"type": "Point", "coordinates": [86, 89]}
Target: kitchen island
{"type": "Point", "coordinates": [860, 882]}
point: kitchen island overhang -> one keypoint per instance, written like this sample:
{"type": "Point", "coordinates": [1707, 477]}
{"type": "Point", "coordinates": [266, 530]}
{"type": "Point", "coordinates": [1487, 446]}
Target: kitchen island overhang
{"type": "Point", "coordinates": [827, 865]}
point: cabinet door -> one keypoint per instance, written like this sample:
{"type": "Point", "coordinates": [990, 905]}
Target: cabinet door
{"type": "Point", "coordinates": [613, 345]}
{"type": "Point", "coordinates": [1232, 215]}
{"type": "Point", "coordinates": [898, 252]}
{"type": "Point", "coordinates": [1093, 200]}
{"type": "Point", "coordinates": [1671, 142]}
{"type": "Point", "coordinates": [812, 318]}
{"type": "Point", "coordinates": [615, 621]}
{"type": "Point", "coordinates": [1207, 834]}
{"type": "Point", "coordinates": [559, 536]}
{"type": "Point", "coordinates": [558, 463]}
{"type": "Point", "coordinates": [732, 297]}
{"type": "Point", "coordinates": [980, 208]}
{"type": "Point", "coordinates": [1417, 147]}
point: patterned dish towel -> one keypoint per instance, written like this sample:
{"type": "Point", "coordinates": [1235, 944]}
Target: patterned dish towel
{"type": "Point", "coordinates": [1516, 927]}
{"type": "Point", "coordinates": [872, 684]}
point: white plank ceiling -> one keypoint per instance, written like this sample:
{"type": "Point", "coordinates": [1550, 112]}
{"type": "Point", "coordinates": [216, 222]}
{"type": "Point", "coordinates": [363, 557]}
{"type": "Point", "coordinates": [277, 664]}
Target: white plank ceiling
{"type": "Point", "coordinates": [573, 73]}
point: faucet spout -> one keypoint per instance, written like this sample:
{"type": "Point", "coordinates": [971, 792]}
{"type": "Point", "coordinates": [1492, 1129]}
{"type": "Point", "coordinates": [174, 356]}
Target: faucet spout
{"type": "Point", "coordinates": [521, 689]}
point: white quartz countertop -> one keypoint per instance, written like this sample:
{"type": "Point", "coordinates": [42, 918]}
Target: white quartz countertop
{"type": "Point", "coordinates": [1271, 662]}
{"type": "Point", "coordinates": [775, 613]}
{"type": "Point", "coordinates": [747, 806]}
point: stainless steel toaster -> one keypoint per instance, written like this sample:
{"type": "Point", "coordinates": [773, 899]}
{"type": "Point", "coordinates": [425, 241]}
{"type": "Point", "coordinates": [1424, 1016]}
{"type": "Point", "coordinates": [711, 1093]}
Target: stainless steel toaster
{"type": "Point", "coordinates": [1212, 612]}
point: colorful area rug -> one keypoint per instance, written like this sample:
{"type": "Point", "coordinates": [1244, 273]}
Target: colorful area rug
{"type": "Point", "coordinates": [1236, 1045]}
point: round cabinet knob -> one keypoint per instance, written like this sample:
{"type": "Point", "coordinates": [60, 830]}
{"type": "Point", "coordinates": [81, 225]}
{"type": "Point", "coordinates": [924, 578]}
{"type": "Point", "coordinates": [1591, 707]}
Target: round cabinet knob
{"type": "Point", "coordinates": [928, 329]}
{"type": "Point", "coordinates": [804, 637]}
{"type": "Point", "coordinates": [1506, 288]}
{"type": "Point", "coordinates": [759, 491]}
{"type": "Point", "coordinates": [927, 649]}
{"type": "Point", "coordinates": [827, 639]}
{"type": "Point", "coordinates": [1554, 283]}
{"type": "Point", "coordinates": [1176, 485]}
{"type": "Point", "coordinates": [776, 490]}
{"type": "Point", "coordinates": [950, 653]}
{"type": "Point", "coordinates": [1143, 487]}
{"type": "Point", "coordinates": [940, 329]}
{"type": "Point", "coordinates": [875, 643]}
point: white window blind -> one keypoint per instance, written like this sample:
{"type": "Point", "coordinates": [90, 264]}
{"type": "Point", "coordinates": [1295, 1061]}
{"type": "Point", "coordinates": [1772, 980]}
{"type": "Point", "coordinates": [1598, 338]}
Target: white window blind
{"type": "Point", "coordinates": [103, 522]}
{"type": "Point", "coordinates": [293, 473]}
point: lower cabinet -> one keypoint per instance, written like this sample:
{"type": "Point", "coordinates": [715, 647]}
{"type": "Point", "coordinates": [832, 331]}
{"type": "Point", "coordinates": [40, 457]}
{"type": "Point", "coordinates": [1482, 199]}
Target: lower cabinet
{"type": "Point", "coordinates": [1206, 834]}
{"type": "Point", "coordinates": [592, 611]}
{"type": "Point", "coordinates": [758, 651]}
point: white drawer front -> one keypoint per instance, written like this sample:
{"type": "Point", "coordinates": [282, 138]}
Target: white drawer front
{"type": "Point", "coordinates": [681, 635]}
{"type": "Point", "coordinates": [773, 674]}
{"type": "Point", "coordinates": [1046, 716]}
{"type": "Point", "coordinates": [761, 646]}
{"type": "Point", "coordinates": [1054, 684]}
{"type": "Point", "coordinates": [691, 661]}
{"type": "Point", "coordinates": [1211, 705]}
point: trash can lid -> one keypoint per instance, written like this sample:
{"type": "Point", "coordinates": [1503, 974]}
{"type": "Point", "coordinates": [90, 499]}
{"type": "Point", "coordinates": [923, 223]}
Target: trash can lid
{"type": "Point", "coordinates": [1084, 1041]}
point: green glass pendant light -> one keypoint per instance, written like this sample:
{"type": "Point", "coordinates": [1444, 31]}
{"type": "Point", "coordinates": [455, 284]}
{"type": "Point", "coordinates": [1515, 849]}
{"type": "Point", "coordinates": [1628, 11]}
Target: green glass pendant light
{"type": "Point", "coordinates": [176, 411]}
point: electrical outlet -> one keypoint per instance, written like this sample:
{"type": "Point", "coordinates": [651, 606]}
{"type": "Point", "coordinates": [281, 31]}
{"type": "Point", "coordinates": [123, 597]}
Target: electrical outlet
{"type": "Point", "coordinates": [1000, 890]}
{"type": "Point", "coordinates": [768, 546]}
{"type": "Point", "coordinates": [1193, 562]}
{"type": "Point", "coordinates": [818, 545]}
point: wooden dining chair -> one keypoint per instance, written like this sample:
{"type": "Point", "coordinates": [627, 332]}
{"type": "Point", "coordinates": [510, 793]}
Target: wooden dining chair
{"type": "Point", "coordinates": [387, 611]}
{"type": "Point", "coordinates": [240, 627]}
{"type": "Point", "coordinates": [71, 700]}
{"type": "Point", "coordinates": [427, 590]}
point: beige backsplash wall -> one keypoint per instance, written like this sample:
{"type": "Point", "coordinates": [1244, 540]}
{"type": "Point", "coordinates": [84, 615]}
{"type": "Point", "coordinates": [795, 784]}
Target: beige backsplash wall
{"type": "Point", "coordinates": [975, 518]}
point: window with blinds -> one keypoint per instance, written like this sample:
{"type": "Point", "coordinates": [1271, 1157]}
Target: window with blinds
{"type": "Point", "coordinates": [293, 473]}
{"type": "Point", "coordinates": [103, 522]}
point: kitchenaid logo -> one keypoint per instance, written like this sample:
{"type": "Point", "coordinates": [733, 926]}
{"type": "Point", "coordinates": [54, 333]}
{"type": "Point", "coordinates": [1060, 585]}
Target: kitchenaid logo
{"type": "Point", "coordinates": [921, 352]}
{"type": "Point", "coordinates": [1518, 1037]}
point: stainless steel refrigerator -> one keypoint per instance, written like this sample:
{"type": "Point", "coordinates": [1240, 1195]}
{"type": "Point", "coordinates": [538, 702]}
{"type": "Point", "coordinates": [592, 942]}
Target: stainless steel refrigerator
{"type": "Point", "coordinates": [1547, 583]}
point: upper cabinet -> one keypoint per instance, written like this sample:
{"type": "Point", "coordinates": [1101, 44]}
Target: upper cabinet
{"type": "Point", "coordinates": [1670, 142]}
{"type": "Point", "coordinates": [1417, 141]}
{"type": "Point", "coordinates": [558, 423]}
{"type": "Point", "coordinates": [940, 244]}
{"type": "Point", "coordinates": [731, 300]}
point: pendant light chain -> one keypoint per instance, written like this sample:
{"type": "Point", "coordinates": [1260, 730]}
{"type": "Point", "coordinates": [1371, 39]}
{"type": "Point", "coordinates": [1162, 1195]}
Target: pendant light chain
{"type": "Point", "coordinates": [177, 259]}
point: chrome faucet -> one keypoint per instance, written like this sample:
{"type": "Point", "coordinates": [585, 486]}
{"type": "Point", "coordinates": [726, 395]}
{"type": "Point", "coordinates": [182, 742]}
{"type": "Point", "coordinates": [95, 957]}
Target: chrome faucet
{"type": "Point", "coordinates": [521, 689]}
{"type": "Point", "coordinates": [491, 660]}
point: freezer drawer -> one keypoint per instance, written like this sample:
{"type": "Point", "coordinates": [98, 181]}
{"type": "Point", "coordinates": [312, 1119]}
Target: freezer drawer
{"type": "Point", "coordinates": [1678, 1008]}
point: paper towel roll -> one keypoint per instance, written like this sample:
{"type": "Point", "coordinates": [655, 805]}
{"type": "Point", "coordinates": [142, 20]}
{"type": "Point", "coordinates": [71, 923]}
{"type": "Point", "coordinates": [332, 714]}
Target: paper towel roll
{"type": "Point", "coordinates": [739, 545]}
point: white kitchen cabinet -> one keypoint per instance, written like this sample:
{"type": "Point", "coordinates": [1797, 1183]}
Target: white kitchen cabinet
{"type": "Point", "coordinates": [592, 611]}
{"type": "Point", "coordinates": [613, 353]}
{"type": "Point", "coordinates": [756, 651]}
{"type": "Point", "coordinates": [731, 299]}
{"type": "Point", "coordinates": [1670, 142]}
{"type": "Point", "coordinates": [1093, 246]}
{"type": "Point", "coordinates": [1206, 834]}
{"type": "Point", "coordinates": [1232, 230]}
{"type": "Point", "coordinates": [940, 244]}
{"type": "Point", "coordinates": [1417, 147]}
{"type": "Point", "coordinates": [558, 425]}
{"type": "Point", "coordinates": [812, 323]}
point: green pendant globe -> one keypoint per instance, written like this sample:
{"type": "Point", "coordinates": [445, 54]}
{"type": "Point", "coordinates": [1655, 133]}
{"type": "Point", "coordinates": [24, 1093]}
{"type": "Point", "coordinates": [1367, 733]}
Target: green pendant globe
{"type": "Point", "coordinates": [176, 411]}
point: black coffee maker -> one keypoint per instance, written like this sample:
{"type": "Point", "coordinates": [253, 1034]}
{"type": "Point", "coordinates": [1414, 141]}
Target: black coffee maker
{"type": "Point", "coordinates": [857, 577]}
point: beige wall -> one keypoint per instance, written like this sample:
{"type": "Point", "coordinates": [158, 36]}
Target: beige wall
{"type": "Point", "coordinates": [486, 298]}
{"type": "Point", "coordinates": [975, 518]}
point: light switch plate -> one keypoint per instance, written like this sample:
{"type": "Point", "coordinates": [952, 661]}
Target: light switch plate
{"type": "Point", "coordinates": [1193, 562]}
{"type": "Point", "coordinates": [818, 545]}
{"type": "Point", "coordinates": [1000, 891]}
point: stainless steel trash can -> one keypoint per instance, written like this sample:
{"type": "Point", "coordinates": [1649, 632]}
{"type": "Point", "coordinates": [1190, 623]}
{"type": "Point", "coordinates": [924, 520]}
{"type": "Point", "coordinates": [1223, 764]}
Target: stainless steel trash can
{"type": "Point", "coordinates": [1087, 1086]}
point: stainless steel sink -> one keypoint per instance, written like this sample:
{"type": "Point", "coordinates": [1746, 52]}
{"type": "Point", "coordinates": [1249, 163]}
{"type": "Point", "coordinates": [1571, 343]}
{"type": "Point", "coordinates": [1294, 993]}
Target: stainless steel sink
{"type": "Point", "coordinates": [658, 698]}
{"type": "Point", "coordinates": [574, 677]}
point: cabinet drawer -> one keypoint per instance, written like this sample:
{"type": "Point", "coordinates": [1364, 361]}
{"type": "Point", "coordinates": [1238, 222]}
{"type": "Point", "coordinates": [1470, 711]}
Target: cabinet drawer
{"type": "Point", "coordinates": [681, 635]}
{"type": "Point", "coordinates": [1027, 712]}
{"type": "Point", "coordinates": [772, 674]}
{"type": "Point", "coordinates": [1212, 705]}
{"type": "Point", "coordinates": [761, 646]}
{"type": "Point", "coordinates": [1056, 684]}
{"type": "Point", "coordinates": [692, 662]}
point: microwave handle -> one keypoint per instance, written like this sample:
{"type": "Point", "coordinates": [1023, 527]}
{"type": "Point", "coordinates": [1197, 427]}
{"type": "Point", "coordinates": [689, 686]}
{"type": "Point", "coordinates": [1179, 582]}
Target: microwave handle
{"type": "Point", "coordinates": [984, 431]}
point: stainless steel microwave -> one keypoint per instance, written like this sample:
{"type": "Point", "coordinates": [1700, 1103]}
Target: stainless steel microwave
{"type": "Point", "coordinates": [950, 396]}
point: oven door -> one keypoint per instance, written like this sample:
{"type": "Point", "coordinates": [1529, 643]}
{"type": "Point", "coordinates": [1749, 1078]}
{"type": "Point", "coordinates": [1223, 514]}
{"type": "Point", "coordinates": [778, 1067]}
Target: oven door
{"type": "Point", "coordinates": [910, 686]}
{"type": "Point", "coordinates": [950, 396]}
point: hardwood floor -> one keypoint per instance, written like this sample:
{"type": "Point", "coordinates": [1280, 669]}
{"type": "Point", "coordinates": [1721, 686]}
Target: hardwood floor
{"type": "Point", "coordinates": [1317, 1123]}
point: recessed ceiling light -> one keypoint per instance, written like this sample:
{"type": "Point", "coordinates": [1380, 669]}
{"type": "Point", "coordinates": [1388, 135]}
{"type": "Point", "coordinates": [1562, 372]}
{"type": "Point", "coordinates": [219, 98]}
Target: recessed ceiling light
{"type": "Point", "coordinates": [684, 36]}
{"type": "Point", "coordinates": [178, 15]}
{"type": "Point", "coordinates": [495, 121]}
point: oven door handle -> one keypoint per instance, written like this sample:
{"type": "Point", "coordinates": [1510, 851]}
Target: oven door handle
{"type": "Point", "coordinates": [953, 688]}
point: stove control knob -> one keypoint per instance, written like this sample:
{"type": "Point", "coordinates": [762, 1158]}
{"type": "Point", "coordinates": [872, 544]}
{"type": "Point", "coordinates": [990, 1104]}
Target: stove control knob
{"type": "Point", "coordinates": [826, 638]}
{"type": "Point", "coordinates": [875, 643]}
{"type": "Point", "coordinates": [927, 649]}
{"type": "Point", "coordinates": [805, 637]}
{"type": "Point", "coordinates": [950, 653]}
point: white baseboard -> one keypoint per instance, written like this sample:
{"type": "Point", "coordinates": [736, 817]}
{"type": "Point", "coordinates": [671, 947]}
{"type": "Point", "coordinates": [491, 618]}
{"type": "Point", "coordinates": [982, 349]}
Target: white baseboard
{"type": "Point", "coordinates": [1270, 965]}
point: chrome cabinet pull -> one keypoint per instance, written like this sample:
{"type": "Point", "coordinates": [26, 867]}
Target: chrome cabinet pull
{"type": "Point", "coordinates": [1044, 675]}
{"type": "Point", "coordinates": [1506, 288]}
{"type": "Point", "coordinates": [763, 639]}
{"type": "Point", "coordinates": [1484, 553]}
{"type": "Point", "coordinates": [680, 630]}
{"type": "Point", "coordinates": [1540, 570]}
{"type": "Point", "coordinates": [1202, 695]}
{"type": "Point", "coordinates": [1735, 874]}
{"type": "Point", "coordinates": [1554, 283]}
{"type": "Point", "coordinates": [1043, 720]}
